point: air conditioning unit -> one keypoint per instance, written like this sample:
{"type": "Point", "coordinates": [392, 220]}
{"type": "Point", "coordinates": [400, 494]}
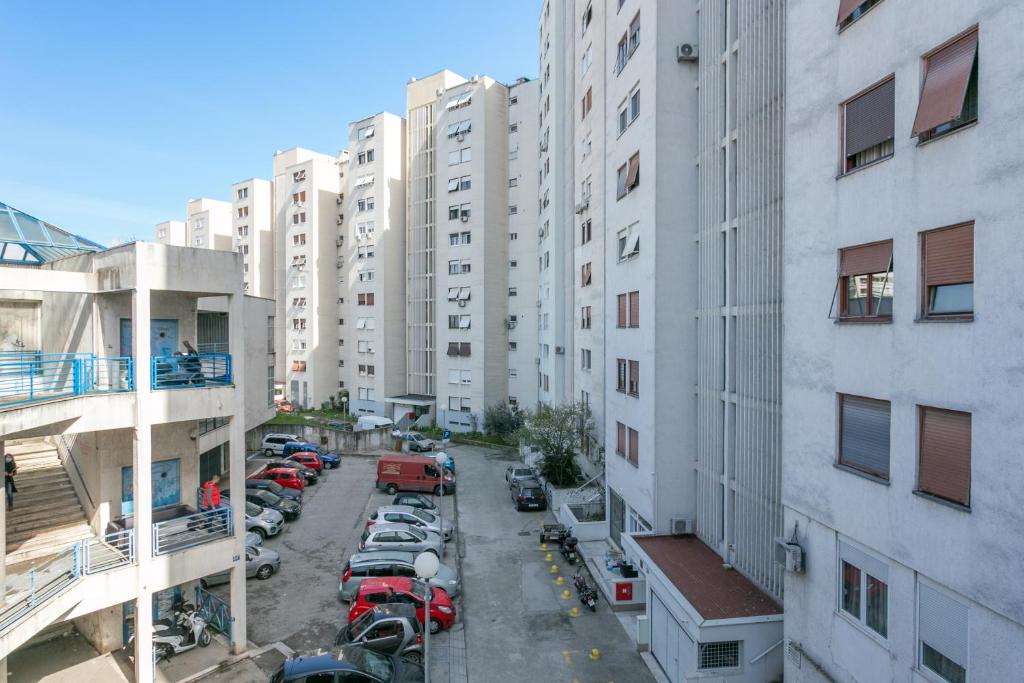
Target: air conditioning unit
{"type": "Point", "coordinates": [543, 146]}
{"type": "Point", "coordinates": [560, 350]}
{"type": "Point", "coordinates": [298, 205]}
{"type": "Point", "coordinates": [536, 361]}
{"type": "Point", "coordinates": [464, 217]}
{"type": "Point", "coordinates": [509, 323]}
{"type": "Point", "coordinates": [790, 555]}
{"type": "Point", "coordinates": [341, 263]}
{"type": "Point", "coordinates": [462, 303]}
{"type": "Point", "coordinates": [340, 199]}
{"type": "Point", "coordinates": [583, 205]}
{"type": "Point", "coordinates": [681, 526]}
{"type": "Point", "coordinates": [686, 52]}
{"type": "Point", "coordinates": [643, 632]}
{"type": "Point", "coordinates": [341, 220]}
{"type": "Point", "coordinates": [339, 241]}
{"type": "Point", "coordinates": [460, 136]}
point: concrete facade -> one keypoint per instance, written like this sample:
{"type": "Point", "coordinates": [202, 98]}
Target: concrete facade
{"type": "Point", "coordinates": [917, 546]}
{"type": "Point", "coordinates": [252, 215]}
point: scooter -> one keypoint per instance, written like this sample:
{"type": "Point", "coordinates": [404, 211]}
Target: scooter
{"type": "Point", "coordinates": [587, 595]}
{"type": "Point", "coordinates": [169, 640]}
{"type": "Point", "coordinates": [568, 549]}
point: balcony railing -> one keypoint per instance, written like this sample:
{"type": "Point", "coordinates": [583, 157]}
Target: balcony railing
{"type": "Point", "coordinates": [191, 370]}
{"type": "Point", "coordinates": [31, 376]}
{"type": "Point", "coordinates": [103, 553]}
{"type": "Point", "coordinates": [181, 533]}
{"type": "Point", "coordinates": [27, 591]}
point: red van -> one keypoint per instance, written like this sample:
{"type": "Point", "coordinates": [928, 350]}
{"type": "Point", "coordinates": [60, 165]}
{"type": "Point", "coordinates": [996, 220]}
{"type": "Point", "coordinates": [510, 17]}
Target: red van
{"type": "Point", "coordinates": [411, 473]}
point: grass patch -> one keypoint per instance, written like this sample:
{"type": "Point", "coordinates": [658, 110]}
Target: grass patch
{"type": "Point", "coordinates": [437, 433]}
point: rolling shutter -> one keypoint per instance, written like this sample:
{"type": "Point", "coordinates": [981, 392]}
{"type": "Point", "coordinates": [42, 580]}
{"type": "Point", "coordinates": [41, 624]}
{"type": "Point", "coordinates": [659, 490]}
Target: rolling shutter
{"type": "Point", "coordinates": [945, 467]}
{"type": "Point", "coordinates": [949, 255]}
{"type": "Point", "coordinates": [633, 177]}
{"type": "Point", "coordinates": [864, 443]}
{"type": "Point", "coordinates": [867, 563]}
{"type": "Point", "coordinates": [942, 623]}
{"type": "Point", "coordinates": [622, 310]}
{"type": "Point", "coordinates": [865, 259]}
{"type": "Point", "coordinates": [870, 118]}
{"type": "Point", "coordinates": [634, 309]}
{"type": "Point", "coordinates": [620, 446]}
{"type": "Point", "coordinates": [846, 8]}
{"type": "Point", "coordinates": [947, 72]}
{"type": "Point", "coordinates": [453, 348]}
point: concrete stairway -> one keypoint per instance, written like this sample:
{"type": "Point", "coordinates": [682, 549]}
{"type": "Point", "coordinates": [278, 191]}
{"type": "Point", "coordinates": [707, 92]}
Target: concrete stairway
{"type": "Point", "coordinates": [47, 515]}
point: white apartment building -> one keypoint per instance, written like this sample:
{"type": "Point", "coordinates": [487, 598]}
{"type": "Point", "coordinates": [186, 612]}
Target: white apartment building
{"type": "Point", "coordinates": [523, 294]}
{"type": "Point", "coordinates": [308, 217]}
{"type": "Point", "coordinates": [209, 224]}
{"type": "Point", "coordinates": [371, 263]}
{"type": "Point", "coordinates": [902, 427]}
{"type": "Point", "coordinates": [252, 214]}
{"type": "Point", "coordinates": [173, 233]}
{"type": "Point", "coordinates": [113, 435]}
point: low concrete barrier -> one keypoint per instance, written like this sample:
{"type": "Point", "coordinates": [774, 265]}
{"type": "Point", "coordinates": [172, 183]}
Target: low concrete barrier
{"type": "Point", "coordinates": [332, 439]}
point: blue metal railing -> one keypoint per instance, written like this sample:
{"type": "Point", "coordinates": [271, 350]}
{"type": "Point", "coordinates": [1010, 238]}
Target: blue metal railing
{"type": "Point", "coordinates": [28, 590]}
{"type": "Point", "coordinates": [181, 371]}
{"type": "Point", "coordinates": [28, 377]}
{"type": "Point", "coordinates": [215, 611]}
{"type": "Point", "coordinates": [110, 551]}
{"type": "Point", "coordinates": [189, 531]}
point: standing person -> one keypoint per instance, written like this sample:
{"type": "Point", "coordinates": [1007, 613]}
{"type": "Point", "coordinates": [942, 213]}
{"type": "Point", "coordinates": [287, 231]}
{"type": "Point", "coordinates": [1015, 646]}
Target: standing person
{"type": "Point", "coordinates": [10, 469]}
{"type": "Point", "coordinates": [211, 496]}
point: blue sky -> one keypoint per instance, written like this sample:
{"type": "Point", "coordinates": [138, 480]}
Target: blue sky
{"type": "Point", "coordinates": [115, 113]}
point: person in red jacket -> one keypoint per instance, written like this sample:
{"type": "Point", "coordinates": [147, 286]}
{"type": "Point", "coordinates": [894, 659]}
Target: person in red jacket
{"type": "Point", "coordinates": [211, 498]}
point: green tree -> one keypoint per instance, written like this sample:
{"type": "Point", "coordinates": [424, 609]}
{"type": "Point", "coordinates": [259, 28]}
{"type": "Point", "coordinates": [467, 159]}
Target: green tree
{"type": "Point", "coordinates": [502, 420]}
{"type": "Point", "coordinates": [558, 431]}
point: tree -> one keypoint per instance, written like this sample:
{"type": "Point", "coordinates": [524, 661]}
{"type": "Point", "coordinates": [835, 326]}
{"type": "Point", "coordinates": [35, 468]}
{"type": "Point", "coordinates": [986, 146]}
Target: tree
{"type": "Point", "coordinates": [502, 420]}
{"type": "Point", "coordinates": [558, 431]}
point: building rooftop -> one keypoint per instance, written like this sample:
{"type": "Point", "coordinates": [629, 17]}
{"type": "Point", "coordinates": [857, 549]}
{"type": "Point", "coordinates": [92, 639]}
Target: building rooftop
{"type": "Point", "coordinates": [27, 241]}
{"type": "Point", "coordinates": [697, 572]}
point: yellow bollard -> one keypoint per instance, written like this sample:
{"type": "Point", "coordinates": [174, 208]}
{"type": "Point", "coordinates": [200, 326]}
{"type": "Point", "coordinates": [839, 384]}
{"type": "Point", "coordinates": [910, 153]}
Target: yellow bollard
{"type": "Point", "coordinates": [565, 595]}
{"type": "Point", "coordinates": [547, 557]}
{"type": "Point", "coordinates": [595, 654]}
{"type": "Point", "coordinates": [554, 569]}
{"type": "Point", "coordinates": [560, 581]}
{"type": "Point", "coordinates": [574, 612]}
{"type": "Point", "coordinates": [543, 546]}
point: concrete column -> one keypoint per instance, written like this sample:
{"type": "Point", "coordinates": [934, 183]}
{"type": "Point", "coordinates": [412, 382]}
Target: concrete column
{"type": "Point", "coordinates": [236, 458]}
{"type": "Point", "coordinates": [142, 481]}
{"type": "Point", "coordinates": [3, 549]}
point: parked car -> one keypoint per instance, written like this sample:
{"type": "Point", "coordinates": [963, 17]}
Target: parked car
{"type": "Point", "coordinates": [405, 514]}
{"type": "Point", "coordinates": [261, 563]}
{"type": "Point", "coordinates": [275, 488]}
{"type": "Point", "coordinates": [309, 459]}
{"type": "Point", "coordinates": [285, 476]}
{"type": "Point", "coordinates": [528, 494]}
{"type": "Point", "coordinates": [514, 473]}
{"type": "Point", "coordinates": [340, 426]}
{"type": "Point", "coordinates": [390, 629]}
{"type": "Point", "coordinates": [411, 473]}
{"type": "Point", "coordinates": [309, 475]}
{"type": "Point", "coordinates": [399, 589]}
{"type": "Point", "coordinates": [266, 523]}
{"type": "Point", "coordinates": [329, 460]}
{"type": "Point", "coordinates": [400, 537]}
{"type": "Point", "coordinates": [416, 500]}
{"type": "Point", "coordinates": [348, 663]}
{"type": "Point", "coordinates": [273, 444]}
{"type": "Point", "coordinates": [253, 539]}
{"type": "Point", "coordinates": [288, 508]}
{"type": "Point", "coordinates": [418, 442]}
{"type": "Point", "coordinates": [391, 563]}
{"type": "Point", "coordinates": [373, 422]}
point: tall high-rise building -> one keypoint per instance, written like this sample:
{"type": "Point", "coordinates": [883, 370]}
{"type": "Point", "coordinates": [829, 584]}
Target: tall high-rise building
{"type": "Point", "coordinates": [252, 214]}
{"type": "Point", "coordinates": [209, 224]}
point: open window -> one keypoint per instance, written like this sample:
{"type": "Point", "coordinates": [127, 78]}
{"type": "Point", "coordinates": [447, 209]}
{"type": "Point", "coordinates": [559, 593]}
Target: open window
{"type": "Point", "coordinates": [864, 288]}
{"type": "Point", "coordinates": [949, 93]}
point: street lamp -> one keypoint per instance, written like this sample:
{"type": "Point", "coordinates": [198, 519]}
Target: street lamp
{"type": "Point", "coordinates": [426, 566]}
{"type": "Point", "coordinates": [344, 406]}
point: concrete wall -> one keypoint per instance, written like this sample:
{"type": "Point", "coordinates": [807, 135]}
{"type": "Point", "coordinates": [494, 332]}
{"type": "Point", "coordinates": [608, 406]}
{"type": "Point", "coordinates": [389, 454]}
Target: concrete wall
{"type": "Point", "coordinates": [334, 440]}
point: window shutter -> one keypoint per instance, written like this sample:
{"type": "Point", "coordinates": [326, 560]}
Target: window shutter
{"type": "Point", "coordinates": [634, 309]}
{"type": "Point", "coordinates": [942, 623]}
{"type": "Point", "coordinates": [866, 258]}
{"type": "Point", "coordinates": [846, 8]}
{"type": "Point", "coordinates": [864, 443]}
{"type": "Point", "coordinates": [634, 446]}
{"type": "Point", "coordinates": [634, 171]}
{"type": "Point", "coordinates": [945, 459]}
{"type": "Point", "coordinates": [620, 446]}
{"type": "Point", "coordinates": [622, 310]}
{"type": "Point", "coordinates": [859, 558]}
{"type": "Point", "coordinates": [949, 255]}
{"type": "Point", "coordinates": [634, 377]}
{"type": "Point", "coordinates": [870, 118]}
{"type": "Point", "coordinates": [464, 348]}
{"type": "Point", "coordinates": [947, 72]}
{"type": "Point", "coordinates": [453, 348]}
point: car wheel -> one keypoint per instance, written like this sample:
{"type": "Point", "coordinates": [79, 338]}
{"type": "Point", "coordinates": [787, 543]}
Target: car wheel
{"type": "Point", "coordinates": [414, 657]}
{"type": "Point", "coordinates": [205, 638]}
{"type": "Point", "coordinates": [261, 533]}
{"type": "Point", "coordinates": [437, 490]}
{"type": "Point", "coordinates": [391, 489]}
{"type": "Point", "coordinates": [269, 453]}
{"type": "Point", "coordinates": [264, 572]}
{"type": "Point", "coordinates": [435, 626]}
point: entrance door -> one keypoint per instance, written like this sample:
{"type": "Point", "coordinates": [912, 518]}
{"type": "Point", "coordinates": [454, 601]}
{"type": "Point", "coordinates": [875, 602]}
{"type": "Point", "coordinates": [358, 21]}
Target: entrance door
{"type": "Point", "coordinates": [163, 337]}
{"type": "Point", "coordinates": [166, 485]}
{"type": "Point", "coordinates": [616, 517]}
{"type": "Point", "coordinates": [670, 644]}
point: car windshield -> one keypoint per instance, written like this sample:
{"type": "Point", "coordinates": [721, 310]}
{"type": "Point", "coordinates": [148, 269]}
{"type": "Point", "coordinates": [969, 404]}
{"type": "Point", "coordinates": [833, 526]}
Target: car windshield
{"type": "Point", "coordinates": [369, 662]}
{"type": "Point", "coordinates": [274, 488]}
{"type": "Point", "coordinates": [417, 534]}
{"type": "Point", "coordinates": [253, 510]}
{"type": "Point", "coordinates": [425, 516]}
{"type": "Point", "coordinates": [268, 497]}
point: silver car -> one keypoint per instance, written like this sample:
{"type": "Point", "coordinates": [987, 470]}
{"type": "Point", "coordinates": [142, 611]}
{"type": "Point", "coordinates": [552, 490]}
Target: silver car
{"type": "Point", "coordinates": [387, 536]}
{"type": "Point", "coordinates": [259, 562]}
{"type": "Point", "coordinates": [391, 563]}
{"type": "Point", "coordinates": [516, 473]}
{"type": "Point", "coordinates": [418, 442]}
{"type": "Point", "coordinates": [263, 521]}
{"type": "Point", "coordinates": [253, 539]}
{"type": "Point", "coordinates": [407, 514]}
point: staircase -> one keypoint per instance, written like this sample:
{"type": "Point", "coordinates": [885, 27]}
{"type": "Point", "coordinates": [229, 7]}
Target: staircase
{"type": "Point", "coordinates": [47, 515]}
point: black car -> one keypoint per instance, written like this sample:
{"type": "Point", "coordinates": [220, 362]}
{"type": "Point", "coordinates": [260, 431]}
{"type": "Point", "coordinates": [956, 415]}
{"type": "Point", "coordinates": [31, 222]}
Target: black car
{"type": "Point", "coordinates": [265, 499]}
{"type": "Point", "coordinates": [348, 663]}
{"type": "Point", "coordinates": [528, 494]}
{"type": "Point", "coordinates": [308, 473]}
{"type": "Point", "coordinates": [415, 500]}
{"type": "Point", "coordinates": [275, 488]}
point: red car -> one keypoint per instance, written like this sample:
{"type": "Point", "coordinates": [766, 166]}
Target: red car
{"type": "Point", "coordinates": [309, 459]}
{"type": "Point", "coordinates": [284, 476]}
{"type": "Point", "coordinates": [376, 592]}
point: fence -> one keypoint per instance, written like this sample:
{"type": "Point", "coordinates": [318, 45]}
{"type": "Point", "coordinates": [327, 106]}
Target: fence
{"type": "Point", "coordinates": [28, 377]}
{"type": "Point", "coordinates": [214, 610]}
{"type": "Point", "coordinates": [196, 370]}
{"type": "Point", "coordinates": [113, 550]}
{"type": "Point", "coordinates": [180, 533]}
{"type": "Point", "coordinates": [27, 591]}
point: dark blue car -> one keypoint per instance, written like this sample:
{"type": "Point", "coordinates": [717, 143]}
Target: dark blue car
{"type": "Point", "coordinates": [330, 460]}
{"type": "Point", "coordinates": [349, 663]}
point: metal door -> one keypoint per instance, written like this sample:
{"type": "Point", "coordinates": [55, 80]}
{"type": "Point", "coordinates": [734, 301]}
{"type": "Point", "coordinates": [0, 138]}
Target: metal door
{"type": "Point", "coordinates": [163, 337]}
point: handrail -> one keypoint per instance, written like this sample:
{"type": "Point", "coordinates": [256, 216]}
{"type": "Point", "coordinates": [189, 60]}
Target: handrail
{"type": "Point", "coordinates": [190, 370]}
{"type": "Point", "coordinates": [25, 592]}
{"type": "Point", "coordinates": [63, 441]}
{"type": "Point", "coordinates": [28, 377]}
{"type": "Point", "coordinates": [180, 533]}
{"type": "Point", "coordinates": [765, 653]}
{"type": "Point", "coordinates": [116, 549]}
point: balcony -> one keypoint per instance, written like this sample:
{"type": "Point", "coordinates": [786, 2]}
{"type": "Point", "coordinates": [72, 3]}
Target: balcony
{"type": "Point", "coordinates": [180, 527]}
{"type": "Point", "coordinates": [181, 371]}
{"type": "Point", "coordinates": [27, 377]}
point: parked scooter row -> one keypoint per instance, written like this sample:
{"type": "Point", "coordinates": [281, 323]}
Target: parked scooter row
{"type": "Point", "coordinates": [562, 535]}
{"type": "Point", "coordinates": [586, 593]}
{"type": "Point", "coordinates": [181, 633]}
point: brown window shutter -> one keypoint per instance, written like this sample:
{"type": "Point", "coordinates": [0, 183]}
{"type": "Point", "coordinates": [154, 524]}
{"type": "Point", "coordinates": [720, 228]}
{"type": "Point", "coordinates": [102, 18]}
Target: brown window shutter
{"type": "Point", "coordinates": [634, 309]}
{"type": "Point", "coordinates": [634, 446]}
{"type": "Point", "coordinates": [949, 255]}
{"type": "Point", "coordinates": [634, 377]}
{"type": "Point", "coordinates": [947, 72]}
{"type": "Point", "coordinates": [634, 171]}
{"type": "Point", "coordinates": [870, 118]}
{"type": "Point", "coordinates": [622, 310]}
{"type": "Point", "coordinates": [865, 259]}
{"type": "Point", "coordinates": [369, 299]}
{"type": "Point", "coordinates": [620, 446]}
{"type": "Point", "coordinates": [453, 348]}
{"type": "Point", "coordinates": [846, 8]}
{"type": "Point", "coordinates": [620, 374]}
{"type": "Point", "coordinates": [464, 349]}
{"type": "Point", "coordinates": [945, 458]}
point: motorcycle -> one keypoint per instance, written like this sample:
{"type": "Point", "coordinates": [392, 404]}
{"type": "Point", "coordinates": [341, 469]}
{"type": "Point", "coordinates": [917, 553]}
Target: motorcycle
{"type": "Point", "coordinates": [569, 551]}
{"type": "Point", "coordinates": [182, 633]}
{"type": "Point", "coordinates": [587, 595]}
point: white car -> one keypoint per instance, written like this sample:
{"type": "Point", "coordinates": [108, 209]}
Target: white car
{"type": "Point", "coordinates": [273, 444]}
{"type": "Point", "coordinates": [405, 514]}
{"type": "Point", "coordinates": [410, 539]}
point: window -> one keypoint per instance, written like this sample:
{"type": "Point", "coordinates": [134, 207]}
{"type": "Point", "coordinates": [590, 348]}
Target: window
{"type": "Point", "coordinates": [633, 455]}
{"type": "Point", "coordinates": [633, 387]}
{"type": "Point", "coordinates": [459, 128]}
{"type": "Point", "coordinates": [243, 192]}
{"type": "Point", "coordinates": [864, 589]}
{"type": "Point", "coordinates": [459, 101]}
{"type": "Point", "coordinates": [634, 104]}
{"type": "Point", "coordinates": [586, 231]}
{"type": "Point", "coordinates": [465, 183]}
{"type": "Point", "coordinates": [623, 117]}
{"type": "Point", "coordinates": [298, 218]}
{"type": "Point", "coordinates": [514, 99]}
{"type": "Point", "coordinates": [587, 146]}
{"type": "Point", "coordinates": [947, 272]}
{"type": "Point", "coordinates": [621, 54]}
{"type": "Point", "coordinates": [243, 211]}
{"type": "Point", "coordinates": [364, 299]}
{"type": "Point", "coordinates": [620, 375]}
{"type": "Point", "coordinates": [513, 128]}
{"type": "Point", "coordinates": [942, 623]}
{"type": "Point", "coordinates": [513, 182]}
{"type": "Point", "coordinates": [864, 435]}
{"type": "Point", "coordinates": [865, 283]}
{"type": "Point", "coordinates": [944, 466]}
{"type": "Point", "coordinates": [588, 14]}
{"type": "Point", "coordinates": [298, 366]}
{"type": "Point", "coordinates": [458, 322]}
{"type": "Point", "coordinates": [459, 156]}
{"type": "Point", "coordinates": [629, 242]}
{"type": "Point", "coordinates": [298, 176]}
{"type": "Point", "coordinates": [364, 133]}
{"type": "Point", "coordinates": [585, 359]}
{"type": "Point", "coordinates": [456, 239]}
{"type": "Point", "coordinates": [366, 276]}
{"type": "Point", "coordinates": [513, 291]}
{"type": "Point", "coordinates": [586, 60]}
{"type": "Point", "coordinates": [585, 316]}
{"type": "Point", "coordinates": [634, 34]}
{"type": "Point", "coordinates": [620, 440]}
{"type": "Point", "coordinates": [243, 231]}
{"type": "Point", "coordinates": [299, 239]}
{"type": "Point", "coordinates": [298, 197]}
{"type": "Point", "coordinates": [628, 176]}
{"type": "Point", "coordinates": [949, 94]}
{"type": "Point", "coordinates": [852, 10]}
{"type": "Point", "coordinates": [365, 157]}
{"type": "Point", "coordinates": [634, 309]}
{"type": "Point", "coordinates": [513, 236]}
{"type": "Point", "coordinates": [587, 103]}
{"type": "Point", "coordinates": [721, 655]}
{"type": "Point", "coordinates": [868, 126]}
{"type": "Point", "coordinates": [586, 275]}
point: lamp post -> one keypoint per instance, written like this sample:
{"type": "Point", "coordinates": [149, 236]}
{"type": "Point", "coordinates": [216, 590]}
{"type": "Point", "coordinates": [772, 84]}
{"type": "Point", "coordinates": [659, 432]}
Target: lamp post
{"type": "Point", "coordinates": [441, 458]}
{"type": "Point", "coordinates": [426, 568]}
{"type": "Point", "coordinates": [344, 405]}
